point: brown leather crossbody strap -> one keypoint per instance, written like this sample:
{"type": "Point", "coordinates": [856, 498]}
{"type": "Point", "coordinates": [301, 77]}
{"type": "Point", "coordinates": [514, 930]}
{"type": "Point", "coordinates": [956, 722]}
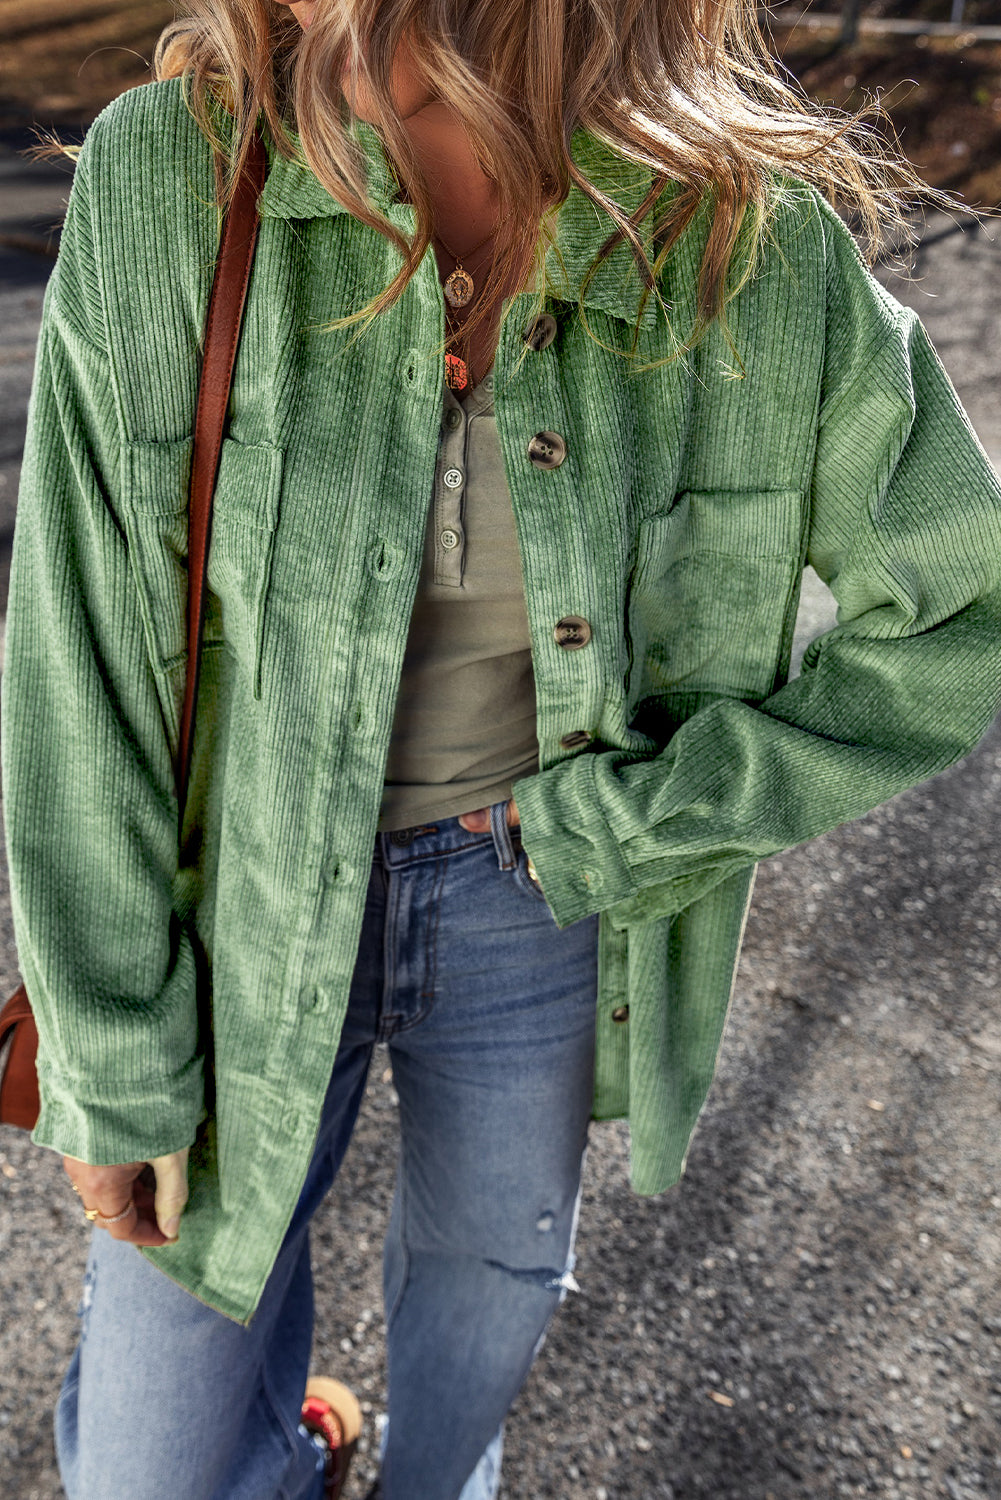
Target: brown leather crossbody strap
{"type": "Point", "coordinates": [19, 1100]}
{"type": "Point", "coordinates": [222, 336]}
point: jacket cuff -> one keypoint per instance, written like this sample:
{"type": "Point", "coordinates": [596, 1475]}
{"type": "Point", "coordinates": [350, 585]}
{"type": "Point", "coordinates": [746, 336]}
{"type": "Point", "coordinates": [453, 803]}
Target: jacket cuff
{"type": "Point", "coordinates": [120, 1122]}
{"type": "Point", "coordinates": [565, 834]}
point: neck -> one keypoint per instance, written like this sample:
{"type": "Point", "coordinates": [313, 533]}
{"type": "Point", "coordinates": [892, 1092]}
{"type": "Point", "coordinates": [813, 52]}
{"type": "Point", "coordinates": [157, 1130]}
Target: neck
{"type": "Point", "coordinates": [464, 197]}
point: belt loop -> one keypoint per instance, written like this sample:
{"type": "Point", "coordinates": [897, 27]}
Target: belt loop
{"type": "Point", "coordinates": [506, 858]}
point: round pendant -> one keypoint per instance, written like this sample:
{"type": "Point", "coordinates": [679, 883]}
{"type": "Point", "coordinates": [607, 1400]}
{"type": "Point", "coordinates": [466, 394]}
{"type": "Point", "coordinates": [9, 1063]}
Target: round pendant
{"type": "Point", "coordinates": [459, 287]}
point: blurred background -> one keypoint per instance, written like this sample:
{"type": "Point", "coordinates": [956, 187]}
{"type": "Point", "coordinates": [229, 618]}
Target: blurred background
{"type": "Point", "coordinates": [937, 62]}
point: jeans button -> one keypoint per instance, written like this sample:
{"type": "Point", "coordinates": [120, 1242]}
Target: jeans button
{"type": "Point", "coordinates": [401, 837]}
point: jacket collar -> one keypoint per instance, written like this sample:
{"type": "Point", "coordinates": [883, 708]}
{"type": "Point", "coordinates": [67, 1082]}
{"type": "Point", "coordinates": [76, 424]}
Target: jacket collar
{"type": "Point", "coordinates": [291, 191]}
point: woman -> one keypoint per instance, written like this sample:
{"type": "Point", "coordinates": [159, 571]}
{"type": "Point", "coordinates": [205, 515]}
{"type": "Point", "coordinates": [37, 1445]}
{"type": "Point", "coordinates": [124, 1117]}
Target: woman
{"type": "Point", "coordinates": [493, 720]}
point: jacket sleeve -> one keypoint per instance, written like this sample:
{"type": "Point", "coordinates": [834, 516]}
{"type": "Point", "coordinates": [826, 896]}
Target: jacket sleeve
{"type": "Point", "coordinates": [906, 531]}
{"type": "Point", "coordinates": [91, 820]}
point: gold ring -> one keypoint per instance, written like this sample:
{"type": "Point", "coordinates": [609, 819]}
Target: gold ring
{"type": "Point", "coordinates": [115, 1218]}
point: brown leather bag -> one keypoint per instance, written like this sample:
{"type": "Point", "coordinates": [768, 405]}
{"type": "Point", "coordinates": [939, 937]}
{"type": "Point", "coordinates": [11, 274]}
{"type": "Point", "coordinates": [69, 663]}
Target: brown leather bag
{"type": "Point", "coordinates": [19, 1101]}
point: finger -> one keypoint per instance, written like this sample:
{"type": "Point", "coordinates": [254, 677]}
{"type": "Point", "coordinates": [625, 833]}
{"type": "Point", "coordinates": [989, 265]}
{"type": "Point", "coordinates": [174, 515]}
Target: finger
{"type": "Point", "coordinates": [101, 1187]}
{"type": "Point", "coordinates": [87, 1179]}
{"type": "Point", "coordinates": [138, 1224]}
{"type": "Point", "coordinates": [171, 1191]}
{"type": "Point", "coordinates": [120, 1221]}
{"type": "Point", "coordinates": [476, 822]}
{"type": "Point", "coordinates": [143, 1230]}
{"type": "Point", "coordinates": [147, 1230]}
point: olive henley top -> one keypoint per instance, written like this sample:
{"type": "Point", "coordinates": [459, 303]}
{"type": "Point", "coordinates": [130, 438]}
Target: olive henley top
{"type": "Point", "coordinates": [464, 726]}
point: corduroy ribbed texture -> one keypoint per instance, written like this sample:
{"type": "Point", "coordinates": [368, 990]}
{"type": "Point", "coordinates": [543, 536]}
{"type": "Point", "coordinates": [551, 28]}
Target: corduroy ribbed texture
{"type": "Point", "coordinates": [677, 526]}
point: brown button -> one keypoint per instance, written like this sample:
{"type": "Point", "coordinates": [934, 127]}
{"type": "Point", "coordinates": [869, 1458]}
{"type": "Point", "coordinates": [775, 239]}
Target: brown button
{"type": "Point", "coordinates": [620, 1014]}
{"type": "Point", "coordinates": [571, 632]}
{"type": "Point", "coordinates": [576, 738]}
{"type": "Point", "coordinates": [539, 334]}
{"type": "Point", "coordinates": [547, 450]}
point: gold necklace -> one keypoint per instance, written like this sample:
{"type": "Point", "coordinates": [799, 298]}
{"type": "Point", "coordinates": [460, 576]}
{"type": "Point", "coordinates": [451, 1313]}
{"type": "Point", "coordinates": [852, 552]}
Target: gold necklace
{"type": "Point", "coordinates": [459, 287]}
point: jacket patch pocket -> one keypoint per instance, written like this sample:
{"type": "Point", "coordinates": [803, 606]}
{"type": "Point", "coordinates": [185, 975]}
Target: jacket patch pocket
{"type": "Point", "coordinates": [156, 478]}
{"type": "Point", "coordinates": [714, 583]}
{"type": "Point", "coordinates": [155, 516]}
{"type": "Point", "coordinates": [244, 521]}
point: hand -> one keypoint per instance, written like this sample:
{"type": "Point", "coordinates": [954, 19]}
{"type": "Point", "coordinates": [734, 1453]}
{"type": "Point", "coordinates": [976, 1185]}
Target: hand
{"type": "Point", "coordinates": [479, 821]}
{"type": "Point", "coordinates": [140, 1202]}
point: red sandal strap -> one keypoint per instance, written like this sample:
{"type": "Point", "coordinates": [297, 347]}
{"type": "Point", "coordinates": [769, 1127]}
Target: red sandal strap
{"type": "Point", "coordinates": [319, 1416]}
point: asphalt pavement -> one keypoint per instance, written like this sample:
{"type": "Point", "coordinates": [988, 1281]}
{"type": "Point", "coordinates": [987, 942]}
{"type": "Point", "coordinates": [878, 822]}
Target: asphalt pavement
{"type": "Point", "coordinates": [815, 1310]}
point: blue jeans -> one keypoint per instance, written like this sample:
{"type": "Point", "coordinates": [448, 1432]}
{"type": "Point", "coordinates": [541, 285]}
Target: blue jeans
{"type": "Point", "coordinates": [488, 1009]}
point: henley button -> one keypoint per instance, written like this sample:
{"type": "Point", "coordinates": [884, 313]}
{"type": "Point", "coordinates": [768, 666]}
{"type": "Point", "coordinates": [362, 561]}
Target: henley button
{"type": "Point", "coordinates": [575, 739]}
{"type": "Point", "coordinates": [452, 478]}
{"type": "Point", "coordinates": [620, 1014]}
{"type": "Point", "coordinates": [449, 539]}
{"type": "Point", "coordinates": [572, 632]}
{"type": "Point", "coordinates": [453, 418]}
{"type": "Point", "coordinates": [547, 450]}
{"type": "Point", "coordinates": [539, 334]}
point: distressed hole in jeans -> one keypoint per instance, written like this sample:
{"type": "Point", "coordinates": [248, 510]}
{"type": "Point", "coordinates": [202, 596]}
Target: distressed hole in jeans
{"type": "Point", "coordinates": [87, 1298]}
{"type": "Point", "coordinates": [541, 1276]}
{"type": "Point", "coordinates": [545, 1222]}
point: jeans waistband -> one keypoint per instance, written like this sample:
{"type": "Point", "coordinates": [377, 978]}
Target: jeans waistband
{"type": "Point", "coordinates": [405, 846]}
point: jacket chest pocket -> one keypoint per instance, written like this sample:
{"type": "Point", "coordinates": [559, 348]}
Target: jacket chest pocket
{"type": "Point", "coordinates": [712, 592]}
{"type": "Point", "coordinates": [244, 521]}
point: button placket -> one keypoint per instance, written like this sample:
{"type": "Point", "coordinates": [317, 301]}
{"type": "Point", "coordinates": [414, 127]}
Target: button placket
{"type": "Point", "coordinates": [446, 539]}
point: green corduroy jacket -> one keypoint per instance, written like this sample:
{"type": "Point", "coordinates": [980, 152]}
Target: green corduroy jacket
{"type": "Point", "coordinates": [678, 526]}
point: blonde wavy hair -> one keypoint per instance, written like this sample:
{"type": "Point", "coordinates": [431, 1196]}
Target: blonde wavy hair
{"type": "Point", "coordinates": [685, 88]}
